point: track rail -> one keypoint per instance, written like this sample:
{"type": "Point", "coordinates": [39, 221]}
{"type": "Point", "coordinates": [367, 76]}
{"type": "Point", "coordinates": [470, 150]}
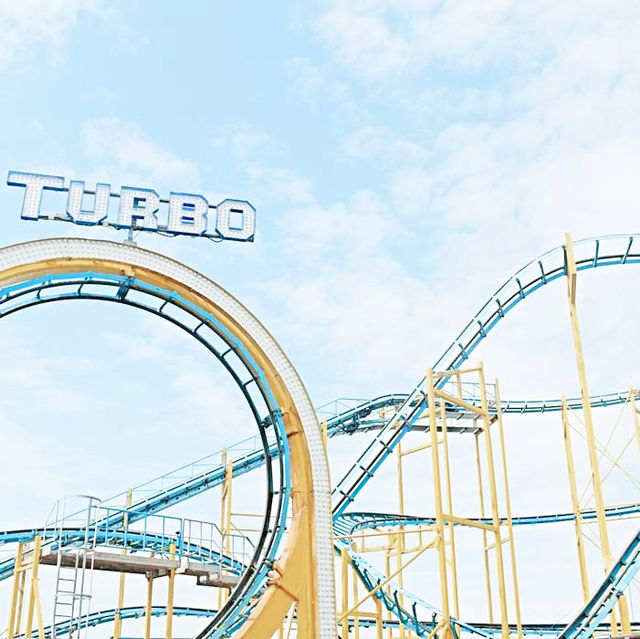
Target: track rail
{"type": "Point", "coordinates": [591, 253]}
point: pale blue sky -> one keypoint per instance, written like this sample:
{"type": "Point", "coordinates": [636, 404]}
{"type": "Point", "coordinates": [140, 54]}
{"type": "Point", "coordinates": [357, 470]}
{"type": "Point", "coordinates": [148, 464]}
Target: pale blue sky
{"type": "Point", "coordinates": [404, 157]}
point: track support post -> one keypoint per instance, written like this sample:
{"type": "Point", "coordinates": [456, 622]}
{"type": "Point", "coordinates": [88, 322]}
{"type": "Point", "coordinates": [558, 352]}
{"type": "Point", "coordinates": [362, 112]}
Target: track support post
{"type": "Point", "coordinates": [571, 271]}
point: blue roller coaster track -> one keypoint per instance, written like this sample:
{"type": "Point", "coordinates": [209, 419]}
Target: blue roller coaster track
{"type": "Point", "coordinates": [408, 608]}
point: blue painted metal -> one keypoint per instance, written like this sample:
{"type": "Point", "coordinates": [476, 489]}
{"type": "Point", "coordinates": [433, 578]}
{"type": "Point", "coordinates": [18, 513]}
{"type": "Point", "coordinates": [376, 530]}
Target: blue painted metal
{"type": "Point", "coordinates": [604, 251]}
{"type": "Point", "coordinates": [592, 253]}
{"type": "Point", "coordinates": [133, 540]}
{"type": "Point", "coordinates": [538, 273]}
{"type": "Point", "coordinates": [413, 610]}
{"type": "Point", "coordinates": [29, 293]}
{"type": "Point", "coordinates": [350, 523]}
{"type": "Point", "coordinates": [130, 612]}
{"type": "Point", "coordinates": [601, 603]}
{"type": "Point", "coordinates": [137, 612]}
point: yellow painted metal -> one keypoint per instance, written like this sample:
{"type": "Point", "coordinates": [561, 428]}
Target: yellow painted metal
{"type": "Point", "coordinates": [379, 626]}
{"type": "Point", "coordinates": [26, 565]}
{"type": "Point", "coordinates": [472, 523]}
{"type": "Point", "coordinates": [484, 532]}
{"type": "Point", "coordinates": [588, 424]}
{"type": "Point", "coordinates": [296, 578]}
{"type": "Point", "coordinates": [449, 501]}
{"type": "Point", "coordinates": [34, 596]}
{"type": "Point", "coordinates": [117, 622]}
{"type": "Point", "coordinates": [356, 616]}
{"type": "Point", "coordinates": [634, 414]}
{"type": "Point", "coordinates": [21, 593]}
{"type": "Point", "coordinates": [398, 536]}
{"type": "Point", "coordinates": [387, 565]}
{"type": "Point", "coordinates": [458, 401]}
{"type": "Point", "coordinates": [507, 499]}
{"type": "Point", "coordinates": [344, 556]}
{"type": "Point", "coordinates": [493, 499]}
{"type": "Point", "coordinates": [575, 504]}
{"type": "Point", "coordinates": [416, 449]}
{"type": "Point", "coordinates": [385, 581]}
{"type": "Point", "coordinates": [148, 605]}
{"type": "Point", "coordinates": [170, 593]}
{"type": "Point", "coordinates": [225, 515]}
{"type": "Point", "coordinates": [17, 586]}
{"type": "Point", "coordinates": [437, 491]}
{"type": "Point", "coordinates": [147, 609]}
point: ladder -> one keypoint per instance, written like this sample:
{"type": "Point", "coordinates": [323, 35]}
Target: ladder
{"type": "Point", "coordinates": [74, 565]}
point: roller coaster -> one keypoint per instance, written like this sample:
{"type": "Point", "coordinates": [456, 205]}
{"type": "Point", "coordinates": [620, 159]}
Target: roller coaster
{"type": "Point", "coordinates": [281, 579]}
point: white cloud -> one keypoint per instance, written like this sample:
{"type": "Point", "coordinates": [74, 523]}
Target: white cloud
{"type": "Point", "coordinates": [243, 140]}
{"type": "Point", "coordinates": [363, 41]}
{"type": "Point", "coordinates": [378, 38]}
{"type": "Point", "coordinates": [283, 184]}
{"type": "Point", "coordinates": [365, 142]}
{"type": "Point", "coordinates": [314, 86]}
{"type": "Point", "coordinates": [411, 191]}
{"type": "Point", "coordinates": [308, 79]}
{"type": "Point", "coordinates": [111, 142]}
{"type": "Point", "coordinates": [28, 24]}
{"type": "Point", "coordinates": [381, 144]}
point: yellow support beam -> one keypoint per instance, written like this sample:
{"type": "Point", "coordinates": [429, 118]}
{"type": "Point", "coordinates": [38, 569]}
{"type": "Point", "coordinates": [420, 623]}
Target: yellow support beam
{"type": "Point", "coordinates": [575, 504]}
{"type": "Point", "coordinates": [487, 569]}
{"type": "Point", "coordinates": [34, 595]}
{"type": "Point", "coordinates": [345, 561]}
{"type": "Point", "coordinates": [449, 500]}
{"type": "Point", "coordinates": [471, 523]}
{"type": "Point", "coordinates": [384, 582]}
{"type": "Point", "coordinates": [437, 491]}
{"type": "Point", "coordinates": [147, 609]}
{"type": "Point", "coordinates": [588, 423]}
{"type": "Point", "coordinates": [117, 622]}
{"type": "Point", "coordinates": [15, 610]}
{"type": "Point", "coordinates": [507, 498]}
{"type": "Point", "coordinates": [170, 593]}
{"type": "Point", "coordinates": [493, 499]}
{"type": "Point", "coordinates": [634, 414]}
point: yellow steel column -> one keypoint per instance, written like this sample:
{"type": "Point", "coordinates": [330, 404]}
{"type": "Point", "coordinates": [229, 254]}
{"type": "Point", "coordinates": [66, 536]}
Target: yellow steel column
{"type": "Point", "coordinates": [447, 477]}
{"type": "Point", "coordinates": [572, 274]}
{"type": "Point", "coordinates": [634, 413]}
{"type": "Point", "coordinates": [507, 497]}
{"type": "Point", "coordinates": [485, 543]}
{"type": "Point", "coordinates": [117, 622]}
{"type": "Point", "coordinates": [225, 515]}
{"type": "Point", "coordinates": [34, 595]}
{"type": "Point", "coordinates": [356, 616]}
{"type": "Point", "coordinates": [399, 534]}
{"type": "Point", "coordinates": [378, 618]}
{"type": "Point", "coordinates": [493, 494]}
{"type": "Point", "coordinates": [575, 504]}
{"type": "Point", "coordinates": [21, 592]}
{"type": "Point", "coordinates": [170, 589]}
{"type": "Point", "coordinates": [344, 556]}
{"type": "Point", "coordinates": [223, 492]}
{"type": "Point", "coordinates": [14, 610]}
{"type": "Point", "coordinates": [387, 565]}
{"type": "Point", "coordinates": [147, 609]}
{"type": "Point", "coordinates": [437, 489]}
{"type": "Point", "coordinates": [400, 480]}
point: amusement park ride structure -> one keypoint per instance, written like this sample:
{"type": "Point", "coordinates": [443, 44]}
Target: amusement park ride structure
{"type": "Point", "coordinates": [278, 580]}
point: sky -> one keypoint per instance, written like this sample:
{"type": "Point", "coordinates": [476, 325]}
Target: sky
{"type": "Point", "coordinates": [404, 158]}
